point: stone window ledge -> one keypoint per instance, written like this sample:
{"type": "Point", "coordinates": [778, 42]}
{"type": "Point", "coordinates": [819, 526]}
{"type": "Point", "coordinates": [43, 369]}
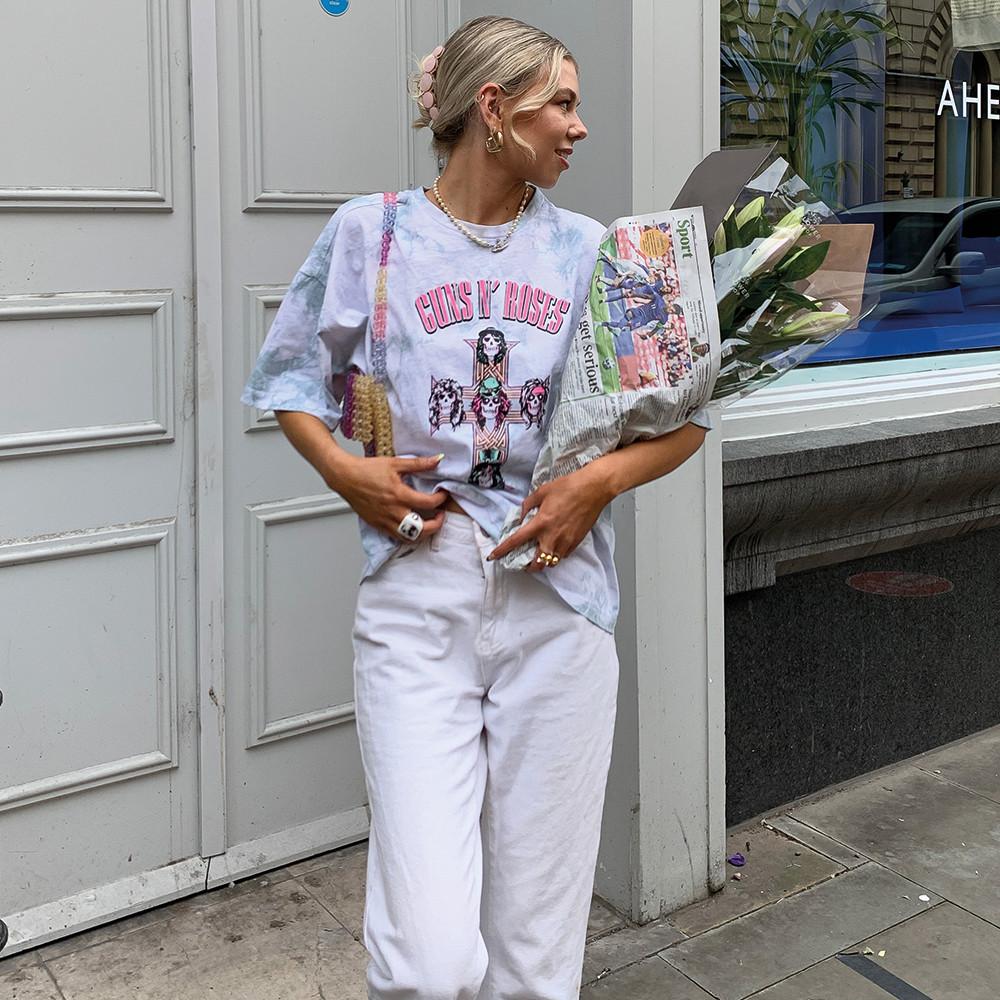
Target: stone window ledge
{"type": "Point", "coordinates": [796, 501]}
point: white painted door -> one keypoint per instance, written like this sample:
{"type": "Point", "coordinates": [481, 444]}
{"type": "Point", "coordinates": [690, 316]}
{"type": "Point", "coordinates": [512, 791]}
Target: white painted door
{"type": "Point", "coordinates": [313, 110]}
{"type": "Point", "coordinates": [98, 726]}
{"type": "Point", "coordinates": [175, 593]}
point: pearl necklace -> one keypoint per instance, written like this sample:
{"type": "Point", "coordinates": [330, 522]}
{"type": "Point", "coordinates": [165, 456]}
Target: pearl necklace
{"type": "Point", "coordinates": [497, 245]}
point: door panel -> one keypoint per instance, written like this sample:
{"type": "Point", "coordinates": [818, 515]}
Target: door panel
{"type": "Point", "coordinates": [325, 116]}
{"type": "Point", "coordinates": [98, 775]}
{"type": "Point", "coordinates": [105, 807]}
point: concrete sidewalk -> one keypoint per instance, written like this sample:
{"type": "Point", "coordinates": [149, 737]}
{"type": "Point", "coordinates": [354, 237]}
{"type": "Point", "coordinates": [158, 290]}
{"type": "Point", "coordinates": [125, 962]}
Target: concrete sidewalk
{"type": "Point", "coordinates": [886, 887]}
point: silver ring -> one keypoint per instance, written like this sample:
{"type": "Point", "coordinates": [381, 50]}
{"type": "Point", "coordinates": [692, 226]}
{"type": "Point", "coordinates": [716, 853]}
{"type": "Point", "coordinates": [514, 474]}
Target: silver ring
{"type": "Point", "coordinates": [410, 527]}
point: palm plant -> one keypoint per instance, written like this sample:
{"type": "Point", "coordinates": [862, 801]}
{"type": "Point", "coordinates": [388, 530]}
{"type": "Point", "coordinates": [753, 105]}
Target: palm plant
{"type": "Point", "coordinates": [782, 64]}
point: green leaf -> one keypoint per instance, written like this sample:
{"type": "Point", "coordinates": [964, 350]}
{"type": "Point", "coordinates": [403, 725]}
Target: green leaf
{"type": "Point", "coordinates": [794, 218]}
{"type": "Point", "coordinates": [754, 210]}
{"type": "Point", "coordinates": [786, 294]}
{"type": "Point", "coordinates": [755, 229]}
{"type": "Point", "coordinates": [804, 263]}
{"type": "Point", "coordinates": [727, 312]}
{"type": "Point", "coordinates": [783, 316]}
{"type": "Point", "coordinates": [857, 75]}
{"type": "Point", "coordinates": [733, 241]}
{"type": "Point", "coordinates": [849, 109]}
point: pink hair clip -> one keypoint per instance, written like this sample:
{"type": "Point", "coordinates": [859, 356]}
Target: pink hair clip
{"type": "Point", "coordinates": [426, 85]}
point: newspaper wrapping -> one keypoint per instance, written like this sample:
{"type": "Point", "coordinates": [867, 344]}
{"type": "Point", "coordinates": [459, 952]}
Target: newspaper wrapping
{"type": "Point", "coordinates": [646, 353]}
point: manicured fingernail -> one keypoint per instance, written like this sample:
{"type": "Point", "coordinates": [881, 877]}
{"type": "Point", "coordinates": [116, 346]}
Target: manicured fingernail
{"type": "Point", "coordinates": [437, 458]}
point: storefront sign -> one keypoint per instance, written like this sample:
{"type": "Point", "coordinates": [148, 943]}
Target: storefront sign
{"type": "Point", "coordinates": [980, 101]}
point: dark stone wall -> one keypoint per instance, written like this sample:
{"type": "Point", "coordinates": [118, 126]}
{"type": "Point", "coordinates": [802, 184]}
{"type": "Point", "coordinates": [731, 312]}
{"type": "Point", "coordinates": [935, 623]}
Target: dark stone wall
{"type": "Point", "coordinates": [825, 682]}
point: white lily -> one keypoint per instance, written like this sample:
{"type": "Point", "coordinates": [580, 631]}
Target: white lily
{"type": "Point", "coordinates": [817, 324]}
{"type": "Point", "coordinates": [765, 252]}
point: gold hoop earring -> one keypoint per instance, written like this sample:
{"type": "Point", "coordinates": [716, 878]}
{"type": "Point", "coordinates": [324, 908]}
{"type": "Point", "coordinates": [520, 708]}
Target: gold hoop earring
{"type": "Point", "coordinates": [494, 142]}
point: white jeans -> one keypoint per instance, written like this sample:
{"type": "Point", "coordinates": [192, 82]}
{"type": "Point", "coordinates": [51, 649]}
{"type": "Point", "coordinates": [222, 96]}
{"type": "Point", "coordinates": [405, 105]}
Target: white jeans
{"type": "Point", "coordinates": [485, 710]}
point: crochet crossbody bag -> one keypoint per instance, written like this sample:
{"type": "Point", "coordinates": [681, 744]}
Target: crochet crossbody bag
{"type": "Point", "coordinates": [366, 416]}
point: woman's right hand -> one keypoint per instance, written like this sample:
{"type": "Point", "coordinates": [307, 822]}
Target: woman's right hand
{"type": "Point", "coordinates": [375, 489]}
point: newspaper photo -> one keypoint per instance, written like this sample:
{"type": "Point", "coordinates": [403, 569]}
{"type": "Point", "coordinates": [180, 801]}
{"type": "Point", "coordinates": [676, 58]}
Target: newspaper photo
{"type": "Point", "coordinates": [646, 353]}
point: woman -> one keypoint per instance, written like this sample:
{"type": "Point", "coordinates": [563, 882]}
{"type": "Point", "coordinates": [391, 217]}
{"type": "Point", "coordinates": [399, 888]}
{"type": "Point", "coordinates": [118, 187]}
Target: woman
{"type": "Point", "coordinates": [485, 699]}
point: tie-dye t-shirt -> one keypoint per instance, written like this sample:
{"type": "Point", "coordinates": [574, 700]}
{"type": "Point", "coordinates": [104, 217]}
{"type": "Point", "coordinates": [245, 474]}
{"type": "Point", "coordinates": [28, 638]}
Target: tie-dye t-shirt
{"type": "Point", "coordinates": [475, 342]}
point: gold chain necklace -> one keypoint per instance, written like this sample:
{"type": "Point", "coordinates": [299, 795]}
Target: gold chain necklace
{"type": "Point", "coordinates": [495, 245]}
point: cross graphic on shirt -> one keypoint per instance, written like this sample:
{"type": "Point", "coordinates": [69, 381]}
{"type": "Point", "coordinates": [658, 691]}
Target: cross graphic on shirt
{"type": "Point", "coordinates": [489, 393]}
{"type": "Point", "coordinates": [491, 443]}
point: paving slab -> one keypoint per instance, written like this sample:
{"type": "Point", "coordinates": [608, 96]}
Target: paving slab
{"type": "Point", "coordinates": [775, 867]}
{"type": "Point", "coordinates": [602, 919]}
{"type": "Point", "coordinates": [946, 954]}
{"type": "Point", "coordinates": [329, 858]}
{"type": "Point", "coordinates": [339, 885]}
{"type": "Point", "coordinates": [26, 979]}
{"type": "Point", "coordinates": [337, 881]}
{"type": "Point", "coordinates": [930, 831]}
{"type": "Point", "coordinates": [974, 763]}
{"type": "Point", "coordinates": [651, 979]}
{"type": "Point", "coordinates": [813, 839]}
{"type": "Point", "coordinates": [279, 936]}
{"type": "Point", "coordinates": [615, 951]}
{"type": "Point", "coordinates": [746, 955]}
{"type": "Point", "coordinates": [106, 932]}
{"type": "Point", "coordinates": [125, 925]}
{"type": "Point", "coordinates": [830, 980]}
{"type": "Point", "coordinates": [11, 963]}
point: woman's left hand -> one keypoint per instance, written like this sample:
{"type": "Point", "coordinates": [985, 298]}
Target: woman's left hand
{"type": "Point", "coordinates": [567, 510]}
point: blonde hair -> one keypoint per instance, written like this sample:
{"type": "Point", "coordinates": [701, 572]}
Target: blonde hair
{"type": "Point", "coordinates": [503, 50]}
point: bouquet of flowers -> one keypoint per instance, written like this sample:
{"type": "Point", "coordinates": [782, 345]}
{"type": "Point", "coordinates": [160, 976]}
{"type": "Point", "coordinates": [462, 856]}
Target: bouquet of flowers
{"type": "Point", "coordinates": [788, 279]}
{"type": "Point", "coordinates": [699, 304]}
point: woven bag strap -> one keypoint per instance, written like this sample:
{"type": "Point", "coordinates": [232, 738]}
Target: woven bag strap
{"type": "Point", "coordinates": [381, 311]}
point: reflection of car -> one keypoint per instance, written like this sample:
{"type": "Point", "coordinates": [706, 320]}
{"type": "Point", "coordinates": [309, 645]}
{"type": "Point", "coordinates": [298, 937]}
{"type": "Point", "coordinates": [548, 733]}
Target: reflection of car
{"type": "Point", "coordinates": [935, 270]}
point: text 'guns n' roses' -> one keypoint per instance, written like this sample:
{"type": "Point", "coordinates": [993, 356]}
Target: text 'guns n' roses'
{"type": "Point", "coordinates": [460, 301]}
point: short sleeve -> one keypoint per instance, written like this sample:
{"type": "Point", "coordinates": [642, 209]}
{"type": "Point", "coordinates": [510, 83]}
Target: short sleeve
{"type": "Point", "coordinates": [318, 327]}
{"type": "Point", "coordinates": [701, 418]}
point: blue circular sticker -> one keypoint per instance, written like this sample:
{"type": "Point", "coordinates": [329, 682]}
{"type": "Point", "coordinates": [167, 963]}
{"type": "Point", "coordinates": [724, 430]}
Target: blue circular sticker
{"type": "Point", "coordinates": [335, 7]}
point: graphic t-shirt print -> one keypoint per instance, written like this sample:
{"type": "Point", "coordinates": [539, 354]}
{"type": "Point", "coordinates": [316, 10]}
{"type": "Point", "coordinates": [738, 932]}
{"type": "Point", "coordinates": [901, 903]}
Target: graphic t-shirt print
{"type": "Point", "coordinates": [501, 393]}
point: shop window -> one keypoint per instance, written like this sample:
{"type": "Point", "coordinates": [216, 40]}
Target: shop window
{"type": "Point", "coordinates": [854, 94]}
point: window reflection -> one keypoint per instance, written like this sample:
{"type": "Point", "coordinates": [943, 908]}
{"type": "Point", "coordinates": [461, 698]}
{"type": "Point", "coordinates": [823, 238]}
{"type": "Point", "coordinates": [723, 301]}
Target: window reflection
{"type": "Point", "coordinates": [852, 92]}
